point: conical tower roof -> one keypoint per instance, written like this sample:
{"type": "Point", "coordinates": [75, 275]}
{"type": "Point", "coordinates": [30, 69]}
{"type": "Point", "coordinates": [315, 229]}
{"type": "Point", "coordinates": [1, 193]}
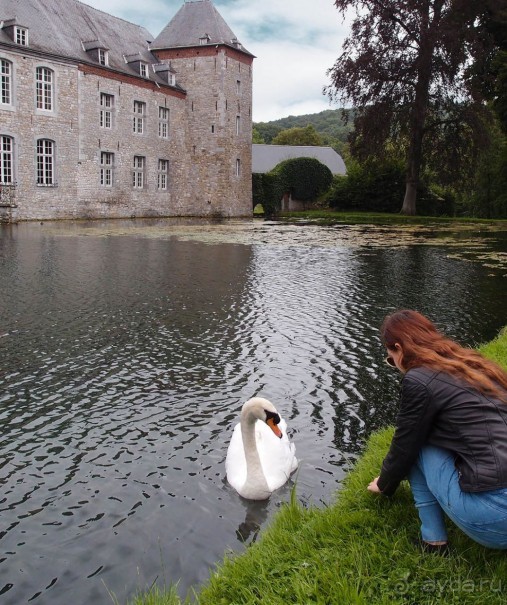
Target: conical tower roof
{"type": "Point", "coordinates": [197, 23]}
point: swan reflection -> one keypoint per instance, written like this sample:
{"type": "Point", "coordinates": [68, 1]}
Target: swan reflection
{"type": "Point", "coordinates": [256, 515]}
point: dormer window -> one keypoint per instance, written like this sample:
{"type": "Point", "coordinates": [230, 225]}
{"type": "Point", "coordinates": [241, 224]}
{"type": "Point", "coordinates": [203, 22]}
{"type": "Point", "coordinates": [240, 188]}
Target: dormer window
{"type": "Point", "coordinates": [165, 72]}
{"type": "Point", "coordinates": [138, 64]}
{"type": "Point", "coordinates": [97, 51]}
{"type": "Point", "coordinates": [21, 35]}
{"type": "Point", "coordinates": [204, 39]}
{"type": "Point", "coordinates": [17, 33]}
{"type": "Point", "coordinates": [103, 56]}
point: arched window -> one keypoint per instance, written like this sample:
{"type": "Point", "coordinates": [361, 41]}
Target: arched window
{"type": "Point", "coordinates": [44, 80]}
{"type": "Point", "coordinates": [5, 82]}
{"type": "Point", "coordinates": [46, 162]}
{"type": "Point", "coordinates": [238, 167]}
{"type": "Point", "coordinates": [6, 160]}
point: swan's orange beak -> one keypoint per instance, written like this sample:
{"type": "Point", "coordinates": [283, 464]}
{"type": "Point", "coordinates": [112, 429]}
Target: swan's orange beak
{"type": "Point", "coordinates": [271, 423]}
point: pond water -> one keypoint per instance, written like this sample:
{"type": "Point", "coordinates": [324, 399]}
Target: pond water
{"type": "Point", "coordinates": [128, 348]}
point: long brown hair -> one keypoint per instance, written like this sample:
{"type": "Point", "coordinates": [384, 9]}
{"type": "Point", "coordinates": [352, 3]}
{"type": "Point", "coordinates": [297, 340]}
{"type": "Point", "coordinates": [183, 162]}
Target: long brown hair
{"type": "Point", "coordinates": [423, 345]}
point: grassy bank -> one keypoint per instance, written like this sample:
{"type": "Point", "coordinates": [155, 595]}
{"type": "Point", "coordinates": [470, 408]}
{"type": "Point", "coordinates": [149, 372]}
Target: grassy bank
{"type": "Point", "coordinates": [356, 551]}
{"type": "Point", "coordinates": [324, 216]}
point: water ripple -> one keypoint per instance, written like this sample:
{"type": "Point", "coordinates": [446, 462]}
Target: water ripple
{"type": "Point", "coordinates": [125, 361]}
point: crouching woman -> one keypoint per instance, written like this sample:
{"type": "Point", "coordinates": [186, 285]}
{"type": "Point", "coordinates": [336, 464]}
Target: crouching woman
{"type": "Point", "coordinates": [451, 433]}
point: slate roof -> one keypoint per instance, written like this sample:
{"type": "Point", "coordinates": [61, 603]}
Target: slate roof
{"type": "Point", "coordinates": [197, 19]}
{"type": "Point", "coordinates": [61, 27]}
{"type": "Point", "coordinates": [266, 157]}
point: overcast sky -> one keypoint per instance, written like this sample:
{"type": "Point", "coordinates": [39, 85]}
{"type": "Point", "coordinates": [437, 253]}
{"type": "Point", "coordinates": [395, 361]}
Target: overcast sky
{"type": "Point", "coordinates": [295, 42]}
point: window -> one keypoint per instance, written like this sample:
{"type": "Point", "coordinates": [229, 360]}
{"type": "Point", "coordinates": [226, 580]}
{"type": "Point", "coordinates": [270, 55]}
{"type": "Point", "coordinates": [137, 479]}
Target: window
{"type": "Point", "coordinates": [138, 172]}
{"type": "Point", "coordinates": [6, 164]}
{"type": "Point", "coordinates": [21, 36]}
{"type": "Point", "coordinates": [238, 167]}
{"type": "Point", "coordinates": [106, 168]}
{"type": "Point", "coordinates": [139, 113]}
{"type": "Point", "coordinates": [103, 57]}
{"type": "Point", "coordinates": [106, 110]}
{"type": "Point", "coordinates": [238, 124]}
{"type": "Point", "coordinates": [45, 162]}
{"type": "Point", "coordinates": [238, 87]}
{"type": "Point", "coordinates": [163, 167]}
{"type": "Point", "coordinates": [143, 69]}
{"type": "Point", "coordinates": [44, 86]}
{"type": "Point", "coordinates": [163, 122]}
{"type": "Point", "coordinates": [5, 82]}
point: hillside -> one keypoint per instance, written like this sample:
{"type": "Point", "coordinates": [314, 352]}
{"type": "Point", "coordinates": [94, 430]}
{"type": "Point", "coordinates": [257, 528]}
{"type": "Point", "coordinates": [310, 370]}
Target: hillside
{"type": "Point", "coordinates": [329, 124]}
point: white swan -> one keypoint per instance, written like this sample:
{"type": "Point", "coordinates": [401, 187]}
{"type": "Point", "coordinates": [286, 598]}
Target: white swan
{"type": "Point", "coordinates": [260, 457]}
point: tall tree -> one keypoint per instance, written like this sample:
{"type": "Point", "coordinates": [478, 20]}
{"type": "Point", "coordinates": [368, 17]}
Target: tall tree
{"type": "Point", "coordinates": [405, 67]}
{"type": "Point", "coordinates": [496, 83]}
{"type": "Point", "coordinates": [298, 136]}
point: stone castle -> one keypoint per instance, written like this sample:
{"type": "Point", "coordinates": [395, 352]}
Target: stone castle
{"type": "Point", "coordinates": [98, 119]}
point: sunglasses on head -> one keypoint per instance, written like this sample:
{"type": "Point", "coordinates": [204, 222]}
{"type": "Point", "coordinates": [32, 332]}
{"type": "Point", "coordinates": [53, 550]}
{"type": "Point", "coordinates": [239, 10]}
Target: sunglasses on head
{"type": "Point", "coordinates": [390, 361]}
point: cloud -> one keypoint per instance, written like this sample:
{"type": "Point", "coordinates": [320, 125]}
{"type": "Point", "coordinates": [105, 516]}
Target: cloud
{"type": "Point", "coordinates": [295, 42]}
{"type": "Point", "coordinates": [295, 45]}
{"type": "Point", "coordinates": [288, 80]}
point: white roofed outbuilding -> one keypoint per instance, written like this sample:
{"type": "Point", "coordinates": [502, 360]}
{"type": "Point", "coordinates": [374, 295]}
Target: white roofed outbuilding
{"type": "Point", "coordinates": [266, 157]}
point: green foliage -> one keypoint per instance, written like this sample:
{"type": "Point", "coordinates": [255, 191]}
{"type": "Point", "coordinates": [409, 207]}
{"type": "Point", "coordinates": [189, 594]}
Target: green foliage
{"type": "Point", "coordinates": [398, 68]}
{"type": "Point", "coordinates": [333, 125]}
{"type": "Point", "coordinates": [267, 130]}
{"type": "Point", "coordinates": [257, 189]}
{"type": "Point", "coordinates": [372, 186]}
{"type": "Point", "coordinates": [489, 198]}
{"type": "Point", "coordinates": [257, 137]}
{"type": "Point", "coordinates": [298, 136]}
{"type": "Point", "coordinates": [379, 186]}
{"type": "Point", "coordinates": [500, 101]}
{"type": "Point", "coordinates": [157, 596]}
{"type": "Point", "coordinates": [268, 193]}
{"type": "Point", "coordinates": [492, 73]}
{"type": "Point", "coordinates": [496, 350]}
{"type": "Point", "coordinates": [305, 178]}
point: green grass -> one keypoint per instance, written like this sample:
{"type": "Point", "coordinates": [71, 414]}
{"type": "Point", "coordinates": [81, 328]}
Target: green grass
{"type": "Point", "coordinates": [357, 551]}
{"type": "Point", "coordinates": [383, 218]}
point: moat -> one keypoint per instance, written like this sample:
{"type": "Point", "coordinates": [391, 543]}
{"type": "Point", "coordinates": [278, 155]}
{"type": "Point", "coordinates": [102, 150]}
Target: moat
{"type": "Point", "coordinates": [128, 347]}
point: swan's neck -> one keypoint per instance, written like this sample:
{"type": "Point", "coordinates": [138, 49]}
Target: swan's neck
{"type": "Point", "coordinates": [255, 478]}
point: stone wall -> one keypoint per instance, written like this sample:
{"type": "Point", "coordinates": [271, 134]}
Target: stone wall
{"type": "Point", "coordinates": [26, 124]}
{"type": "Point", "coordinates": [210, 75]}
{"type": "Point", "coordinates": [203, 147]}
{"type": "Point", "coordinates": [122, 199]}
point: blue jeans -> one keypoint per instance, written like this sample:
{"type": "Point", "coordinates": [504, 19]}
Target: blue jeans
{"type": "Point", "coordinates": [436, 490]}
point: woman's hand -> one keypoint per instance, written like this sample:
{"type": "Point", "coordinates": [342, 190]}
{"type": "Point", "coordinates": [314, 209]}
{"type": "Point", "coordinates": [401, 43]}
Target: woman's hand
{"type": "Point", "coordinates": [373, 487]}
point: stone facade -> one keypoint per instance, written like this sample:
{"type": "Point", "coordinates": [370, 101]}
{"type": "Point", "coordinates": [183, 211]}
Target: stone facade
{"type": "Point", "coordinates": [115, 144]}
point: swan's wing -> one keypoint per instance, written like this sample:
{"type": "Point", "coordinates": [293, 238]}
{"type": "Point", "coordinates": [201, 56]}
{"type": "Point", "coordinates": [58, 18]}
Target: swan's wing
{"type": "Point", "coordinates": [235, 462]}
{"type": "Point", "coordinates": [278, 456]}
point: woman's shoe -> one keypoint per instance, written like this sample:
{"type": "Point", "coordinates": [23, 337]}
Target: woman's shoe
{"type": "Point", "coordinates": [439, 549]}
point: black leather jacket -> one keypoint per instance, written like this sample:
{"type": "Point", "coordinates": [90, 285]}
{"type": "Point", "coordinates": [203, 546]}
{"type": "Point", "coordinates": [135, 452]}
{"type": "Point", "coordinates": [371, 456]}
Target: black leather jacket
{"type": "Point", "coordinates": [440, 410]}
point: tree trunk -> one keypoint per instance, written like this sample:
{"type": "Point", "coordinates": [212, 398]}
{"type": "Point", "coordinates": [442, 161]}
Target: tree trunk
{"type": "Point", "coordinates": [409, 201]}
{"type": "Point", "coordinates": [427, 31]}
{"type": "Point", "coordinates": [414, 159]}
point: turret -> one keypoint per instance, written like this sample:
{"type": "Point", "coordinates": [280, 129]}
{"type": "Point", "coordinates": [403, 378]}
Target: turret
{"type": "Point", "coordinates": [214, 68]}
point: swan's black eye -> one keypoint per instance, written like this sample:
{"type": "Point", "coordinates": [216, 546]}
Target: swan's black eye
{"type": "Point", "coordinates": [275, 417]}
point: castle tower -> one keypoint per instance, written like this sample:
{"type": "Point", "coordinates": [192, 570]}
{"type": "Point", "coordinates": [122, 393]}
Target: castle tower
{"type": "Point", "coordinates": [214, 68]}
